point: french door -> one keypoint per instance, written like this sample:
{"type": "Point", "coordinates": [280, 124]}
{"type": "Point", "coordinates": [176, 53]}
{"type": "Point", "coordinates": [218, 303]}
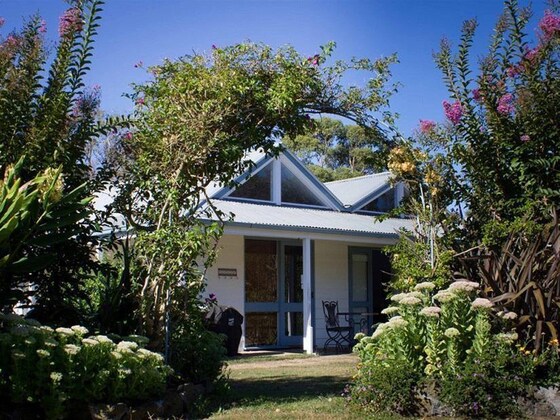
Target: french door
{"type": "Point", "coordinates": [273, 293]}
{"type": "Point", "coordinates": [369, 272]}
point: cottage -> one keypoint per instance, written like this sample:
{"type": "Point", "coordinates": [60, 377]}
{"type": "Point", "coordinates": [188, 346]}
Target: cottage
{"type": "Point", "coordinates": [294, 242]}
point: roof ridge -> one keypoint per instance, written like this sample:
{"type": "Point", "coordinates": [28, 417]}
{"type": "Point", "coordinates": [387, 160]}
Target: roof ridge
{"type": "Point", "coordinates": [338, 181]}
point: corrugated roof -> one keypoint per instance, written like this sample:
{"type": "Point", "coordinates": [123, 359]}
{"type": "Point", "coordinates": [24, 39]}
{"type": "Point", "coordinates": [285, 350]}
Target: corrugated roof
{"type": "Point", "coordinates": [299, 218]}
{"type": "Point", "coordinates": [350, 191]}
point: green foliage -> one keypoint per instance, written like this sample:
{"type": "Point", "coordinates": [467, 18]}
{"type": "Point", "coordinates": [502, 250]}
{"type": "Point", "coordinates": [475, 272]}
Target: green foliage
{"type": "Point", "coordinates": [47, 112]}
{"type": "Point", "coordinates": [523, 276]}
{"type": "Point", "coordinates": [33, 216]}
{"type": "Point", "coordinates": [437, 346]}
{"type": "Point", "coordinates": [56, 369]}
{"type": "Point", "coordinates": [334, 151]}
{"type": "Point", "coordinates": [488, 385]}
{"type": "Point", "coordinates": [196, 352]}
{"type": "Point", "coordinates": [501, 147]}
{"type": "Point", "coordinates": [411, 264]}
{"type": "Point", "coordinates": [388, 388]}
{"type": "Point", "coordinates": [195, 121]}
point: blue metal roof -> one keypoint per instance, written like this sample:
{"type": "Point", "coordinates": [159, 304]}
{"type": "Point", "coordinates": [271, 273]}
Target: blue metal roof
{"type": "Point", "coordinates": [308, 219]}
{"type": "Point", "coordinates": [353, 190]}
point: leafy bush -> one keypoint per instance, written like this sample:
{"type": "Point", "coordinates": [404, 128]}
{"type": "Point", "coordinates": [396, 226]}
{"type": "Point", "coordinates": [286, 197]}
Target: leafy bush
{"type": "Point", "coordinates": [196, 353]}
{"type": "Point", "coordinates": [56, 369]}
{"type": "Point", "coordinates": [443, 345]}
{"type": "Point", "coordinates": [488, 385]}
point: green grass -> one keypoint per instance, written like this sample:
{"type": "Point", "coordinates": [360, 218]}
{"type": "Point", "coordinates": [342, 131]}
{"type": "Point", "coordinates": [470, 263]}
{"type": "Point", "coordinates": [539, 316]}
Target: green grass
{"type": "Point", "coordinates": [292, 387]}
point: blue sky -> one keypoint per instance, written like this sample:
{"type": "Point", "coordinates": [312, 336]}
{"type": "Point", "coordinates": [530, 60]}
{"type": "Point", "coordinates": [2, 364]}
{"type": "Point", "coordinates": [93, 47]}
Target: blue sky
{"type": "Point", "coordinates": [150, 30]}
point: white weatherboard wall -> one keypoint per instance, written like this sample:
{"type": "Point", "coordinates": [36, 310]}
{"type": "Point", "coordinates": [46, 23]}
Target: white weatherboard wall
{"type": "Point", "coordinates": [229, 292]}
{"type": "Point", "coordinates": [331, 282]}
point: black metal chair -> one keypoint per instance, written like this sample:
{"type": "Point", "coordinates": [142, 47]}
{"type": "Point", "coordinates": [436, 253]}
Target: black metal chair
{"type": "Point", "coordinates": [340, 335]}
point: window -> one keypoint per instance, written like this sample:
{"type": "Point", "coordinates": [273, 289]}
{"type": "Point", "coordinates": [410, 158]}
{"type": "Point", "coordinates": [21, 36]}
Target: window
{"type": "Point", "coordinates": [382, 204]}
{"type": "Point", "coordinates": [257, 187]}
{"type": "Point", "coordinates": [294, 191]}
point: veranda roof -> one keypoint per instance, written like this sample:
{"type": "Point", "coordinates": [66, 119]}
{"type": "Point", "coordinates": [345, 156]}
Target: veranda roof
{"type": "Point", "coordinates": [309, 220]}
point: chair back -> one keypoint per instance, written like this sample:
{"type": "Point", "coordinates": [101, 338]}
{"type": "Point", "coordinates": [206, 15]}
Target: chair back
{"type": "Point", "coordinates": [330, 309]}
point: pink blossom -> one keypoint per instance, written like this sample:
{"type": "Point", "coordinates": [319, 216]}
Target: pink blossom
{"type": "Point", "coordinates": [453, 111]}
{"type": "Point", "coordinates": [513, 71]}
{"type": "Point", "coordinates": [477, 96]}
{"type": "Point", "coordinates": [525, 138]}
{"type": "Point", "coordinates": [43, 27]}
{"type": "Point", "coordinates": [11, 41]}
{"type": "Point", "coordinates": [532, 54]}
{"type": "Point", "coordinates": [505, 104]}
{"type": "Point", "coordinates": [70, 21]}
{"type": "Point", "coordinates": [140, 101]}
{"type": "Point", "coordinates": [427, 126]}
{"type": "Point", "coordinates": [128, 136]}
{"type": "Point", "coordinates": [314, 60]}
{"type": "Point", "coordinates": [550, 25]}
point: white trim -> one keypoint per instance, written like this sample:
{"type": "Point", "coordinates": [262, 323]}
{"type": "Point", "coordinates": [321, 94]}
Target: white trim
{"type": "Point", "coordinates": [276, 182]}
{"type": "Point", "coordinates": [306, 283]}
{"type": "Point", "coordinates": [294, 234]}
{"type": "Point", "coordinates": [322, 197]}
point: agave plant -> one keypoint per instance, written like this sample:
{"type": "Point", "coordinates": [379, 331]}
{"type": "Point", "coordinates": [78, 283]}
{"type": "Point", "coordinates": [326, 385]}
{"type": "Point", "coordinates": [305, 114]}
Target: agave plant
{"type": "Point", "coordinates": [524, 277]}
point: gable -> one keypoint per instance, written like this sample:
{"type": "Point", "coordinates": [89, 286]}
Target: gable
{"type": "Point", "coordinates": [382, 203]}
{"type": "Point", "coordinates": [281, 181]}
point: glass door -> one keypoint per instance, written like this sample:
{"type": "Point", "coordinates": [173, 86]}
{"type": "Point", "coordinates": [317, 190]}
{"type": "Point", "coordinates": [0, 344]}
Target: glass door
{"type": "Point", "coordinates": [261, 293]}
{"type": "Point", "coordinates": [291, 304]}
{"type": "Point", "coordinates": [369, 272]}
{"type": "Point", "coordinates": [273, 293]}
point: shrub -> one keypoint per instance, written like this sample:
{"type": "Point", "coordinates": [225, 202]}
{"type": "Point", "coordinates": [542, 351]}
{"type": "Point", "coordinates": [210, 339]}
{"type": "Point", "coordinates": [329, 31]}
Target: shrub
{"type": "Point", "coordinates": [451, 347]}
{"type": "Point", "coordinates": [56, 369]}
{"type": "Point", "coordinates": [196, 353]}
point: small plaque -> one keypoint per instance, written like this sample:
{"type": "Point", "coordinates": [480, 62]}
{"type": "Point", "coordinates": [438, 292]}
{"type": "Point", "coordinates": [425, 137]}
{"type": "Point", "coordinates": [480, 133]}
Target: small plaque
{"type": "Point", "coordinates": [227, 273]}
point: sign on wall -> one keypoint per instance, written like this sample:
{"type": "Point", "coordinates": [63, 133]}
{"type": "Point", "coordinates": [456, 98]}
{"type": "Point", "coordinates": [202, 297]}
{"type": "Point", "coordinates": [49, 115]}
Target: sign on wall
{"type": "Point", "coordinates": [227, 273]}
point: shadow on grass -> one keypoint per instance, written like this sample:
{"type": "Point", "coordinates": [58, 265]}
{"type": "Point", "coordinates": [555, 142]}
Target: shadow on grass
{"type": "Point", "coordinates": [279, 389]}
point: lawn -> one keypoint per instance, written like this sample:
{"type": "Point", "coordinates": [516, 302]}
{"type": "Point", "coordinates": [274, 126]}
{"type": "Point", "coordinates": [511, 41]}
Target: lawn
{"type": "Point", "coordinates": [289, 386]}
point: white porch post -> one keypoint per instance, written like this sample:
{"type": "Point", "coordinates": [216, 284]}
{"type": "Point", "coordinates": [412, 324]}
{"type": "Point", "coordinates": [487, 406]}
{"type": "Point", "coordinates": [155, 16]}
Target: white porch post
{"type": "Point", "coordinates": [307, 324]}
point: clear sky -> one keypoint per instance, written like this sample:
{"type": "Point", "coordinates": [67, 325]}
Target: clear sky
{"type": "Point", "coordinates": [150, 30]}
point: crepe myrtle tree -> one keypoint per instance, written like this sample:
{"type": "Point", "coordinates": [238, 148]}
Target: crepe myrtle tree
{"type": "Point", "coordinates": [48, 114]}
{"type": "Point", "coordinates": [196, 119]}
{"type": "Point", "coordinates": [494, 162]}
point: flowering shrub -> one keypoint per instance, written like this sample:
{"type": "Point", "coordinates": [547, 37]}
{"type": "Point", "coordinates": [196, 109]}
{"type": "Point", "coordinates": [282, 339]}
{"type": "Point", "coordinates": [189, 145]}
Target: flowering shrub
{"type": "Point", "coordinates": [442, 339]}
{"type": "Point", "coordinates": [58, 368]}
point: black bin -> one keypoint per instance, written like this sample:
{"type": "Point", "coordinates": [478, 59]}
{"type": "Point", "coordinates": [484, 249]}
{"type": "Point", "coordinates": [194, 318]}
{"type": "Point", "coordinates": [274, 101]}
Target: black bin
{"type": "Point", "coordinates": [226, 320]}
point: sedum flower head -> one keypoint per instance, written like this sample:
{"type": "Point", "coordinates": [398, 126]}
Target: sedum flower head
{"type": "Point", "coordinates": [509, 316]}
{"type": "Point", "coordinates": [410, 301]}
{"type": "Point", "coordinates": [64, 331]}
{"type": "Point", "coordinates": [103, 339]}
{"type": "Point", "coordinates": [129, 345]}
{"type": "Point", "coordinates": [431, 311]}
{"type": "Point", "coordinates": [444, 296]}
{"type": "Point", "coordinates": [482, 303]}
{"type": "Point", "coordinates": [463, 286]}
{"type": "Point", "coordinates": [390, 310]}
{"type": "Point", "coordinates": [78, 329]}
{"type": "Point", "coordinates": [42, 353]}
{"type": "Point", "coordinates": [452, 332]}
{"type": "Point", "coordinates": [90, 342]}
{"type": "Point", "coordinates": [71, 349]}
{"type": "Point", "coordinates": [425, 285]}
{"type": "Point", "coordinates": [359, 336]}
{"type": "Point", "coordinates": [397, 322]}
{"type": "Point", "coordinates": [398, 297]}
